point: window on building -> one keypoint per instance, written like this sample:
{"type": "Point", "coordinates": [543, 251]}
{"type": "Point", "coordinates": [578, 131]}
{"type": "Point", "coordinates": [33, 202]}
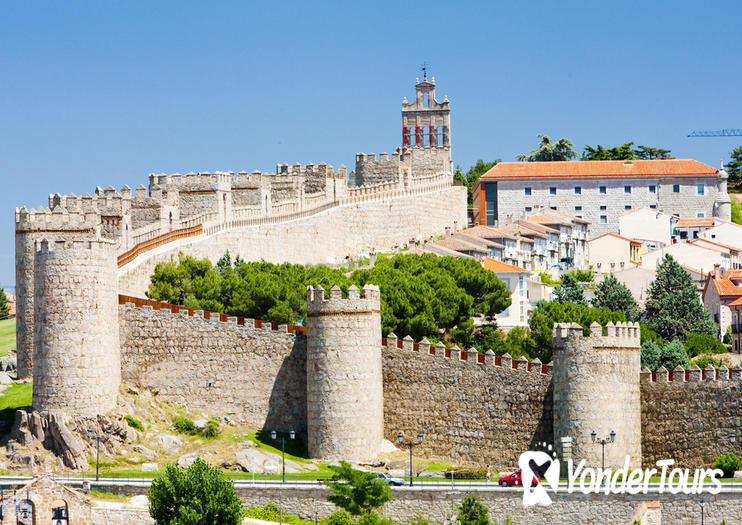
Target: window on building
{"type": "Point", "coordinates": [603, 190]}
{"type": "Point", "coordinates": [528, 190]}
{"type": "Point", "coordinates": [627, 189]}
{"type": "Point", "coordinates": [652, 188]}
{"type": "Point", "coordinates": [676, 188]}
{"type": "Point", "coordinates": [653, 206]}
{"type": "Point", "coordinates": [578, 216]}
{"type": "Point", "coordinates": [578, 190]}
{"type": "Point", "coordinates": [553, 207]}
{"type": "Point", "coordinates": [700, 214]}
{"type": "Point", "coordinates": [552, 190]}
{"type": "Point", "coordinates": [578, 208]}
{"type": "Point", "coordinates": [529, 208]}
{"type": "Point", "coordinates": [603, 208]}
{"type": "Point", "coordinates": [603, 219]}
{"type": "Point", "coordinates": [700, 188]}
{"type": "Point", "coordinates": [627, 207]}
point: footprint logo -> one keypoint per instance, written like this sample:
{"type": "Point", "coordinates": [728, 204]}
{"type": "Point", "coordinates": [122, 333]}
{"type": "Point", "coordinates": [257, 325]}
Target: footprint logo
{"type": "Point", "coordinates": [546, 465]}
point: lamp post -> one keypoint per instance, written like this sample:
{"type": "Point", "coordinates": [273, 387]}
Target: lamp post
{"type": "Point", "coordinates": [732, 439]}
{"type": "Point", "coordinates": [410, 444]}
{"type": "Point", "coordinates": [603, 442]}
{"type": "Point", "coordinates": [98, 438]}
{"type": "Point", "coordinates": [702, 512]}
{"type": "Point", "coordinates": [274, 435]}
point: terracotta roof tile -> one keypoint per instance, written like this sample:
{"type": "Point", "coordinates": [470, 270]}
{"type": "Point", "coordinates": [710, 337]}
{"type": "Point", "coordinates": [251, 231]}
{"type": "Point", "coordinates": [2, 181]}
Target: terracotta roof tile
{"type": "Point", "coordinates": [615, 235]}
{"type": "Point", "coordinates": [496, 266]}
{"type": "Point", "coordinates": [598, 168]}
{"type": "Point", "coordinates": [487, 232]}
{"type": "Point", "coordinates": [692, 222]}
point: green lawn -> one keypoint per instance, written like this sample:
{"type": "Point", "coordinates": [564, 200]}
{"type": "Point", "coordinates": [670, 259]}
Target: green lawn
{"type": "Point", "coordinates": [7, 336]}
{"type": "Point", "coordinates": [15, 397]}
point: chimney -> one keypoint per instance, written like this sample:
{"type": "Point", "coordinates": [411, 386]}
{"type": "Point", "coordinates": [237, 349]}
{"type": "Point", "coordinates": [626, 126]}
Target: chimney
{"type": "Point", "coordinates": [717, 271]}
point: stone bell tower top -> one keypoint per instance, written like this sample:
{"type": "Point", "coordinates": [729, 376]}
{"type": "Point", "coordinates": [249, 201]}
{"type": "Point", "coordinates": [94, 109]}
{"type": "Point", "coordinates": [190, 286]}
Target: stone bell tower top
{"type": "Point", "coordinates": [426, 122]}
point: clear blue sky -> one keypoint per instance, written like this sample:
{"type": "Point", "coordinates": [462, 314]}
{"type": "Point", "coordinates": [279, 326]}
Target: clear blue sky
{"type": "Point", "coordinates": [104, 93]}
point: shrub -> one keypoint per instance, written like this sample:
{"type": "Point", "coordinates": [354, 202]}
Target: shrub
{"type": "Point", "coordinates": [674, 354]}
{"type": "Point", "coordinates": [472, 512]}
{"type": "Point", "coordinates": [183, 425]}
{"type": "Point", "coordinates": [727, 336]}
{"type": "Point", "coordinates": [583, 276]}
{"type": "Point", "coordinates": [211, 429]}
{"type": "Point", "coordinates": [728, 463]}
{"type": "Point", "coordinates": [705, 360]}
{"type": "Point", "coordinates": [697, 344]}
{"type": "Point", "coordinates": [650, 356]}
{"type": "Point", "coordinates": [134, 423]}
{"type": "Point", "coordinates": [371, 518]}
{"type": "Point", "coordinates": [271, 512]}
{"type": "Point", "coordinates": [468, 473]}
{"type": "Point", "coordinates": [546, 279]}
{"type": "Point", "coordinates": [339, 517]}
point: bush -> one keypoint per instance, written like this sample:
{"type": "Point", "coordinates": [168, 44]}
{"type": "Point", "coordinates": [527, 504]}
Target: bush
{"type": "Point", "coordinates": [546, 279]}
{"type": "Point", "coordinates": [198, 494]}
{"type": "Point", "coordinates": [650, 356]}
{"type": "Point", "coordinates": [647, 334]}
{"type": "Point", "coordinates": [271, 512]}
{"type": "Point", "coordinates": [467, 473]}
{"type": "Point", "coordinates": [728, 336]}
{"type": "Point", "coordinates": [134, 423]}
{"type": "Point", "coordinates": [211, 429]}
{"type": "Point", "coordinates": [697, 344]}
{"type": "Point", "coordinates": [728, 463]}
{"type": "Point", "coordinates": [472, 512]}
{"type": "Point", "coordinates": [583, 276]}
{"type": "Point", "coordinates": [183, 425]}
{"type": "Point", "coordinates": [371, 518]}
{"type": "Point", "coordinates": [674, 354]}
{"type": "Point", "coordinates": [339, 517]}
{"type": "Point", "coordinates": [705, 360]}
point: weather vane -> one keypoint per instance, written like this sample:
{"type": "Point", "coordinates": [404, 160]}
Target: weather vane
{"type": "Point", "coordinates": [424, 69]}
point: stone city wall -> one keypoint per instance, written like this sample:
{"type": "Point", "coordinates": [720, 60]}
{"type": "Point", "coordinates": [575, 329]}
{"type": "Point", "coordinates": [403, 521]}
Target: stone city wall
{"type": "Point", "coordinates": [197, 360]}
{"type": "Point", "coordinates": [435, 504]}
{"type": "Point", "coordinates": [322, 238]}
{"type": "Point", "coordinates": [687, 415]}
{"type": "Point", "coordinates": [480, 410]}
{"type": "Point", "coordinates": [370, 170]}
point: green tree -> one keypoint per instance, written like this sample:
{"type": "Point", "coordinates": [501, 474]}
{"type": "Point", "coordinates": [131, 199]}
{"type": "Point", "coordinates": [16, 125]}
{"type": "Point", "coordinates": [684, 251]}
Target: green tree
{"type": "Point", "coordinates": [562, 149]}
{"type": "Point", "coordinates": [736, 211]}
{"type": "Point", "coordinates": [734, 168]}
{"type": "Point", "coordinates": [697, 344]}
{"type": "Point", "coordinates": [4, 306]}
{"type": "Point", "coordinates": [647, 334]}
{"type": "Point", "coordinates": [547, 313]}
{"type": "Point", "coordinates": [198, 495]}
{"type": "Point", "coordinates": [570, 291]}
{"type": "Point", "coordinates": [625, 152]}
{"type": "Point", "coordinates": [473, 512]}
{"type": "Point", "coordinates": [673, 308]}
{"type": "Point", "coordinates": [674, 354]}
{"type": "Point", "coordinates": [647, 153]}
{"type": "Point", "coordinates": [650, 355]}
{"type": "Point", "coordinates": [729, 464]}
{"type": "Point", "coordinates": [613, 294]}
{"type": "Point", "coordinates": [357, 492]}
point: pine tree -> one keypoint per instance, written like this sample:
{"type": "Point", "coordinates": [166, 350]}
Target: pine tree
{"type": "Point", "coordinates": [650, 356]}
{"type": "Point", "coordinates": [614, 295]}
{"type": "Point", "coordinates": [4, 306]}
{"type": "Point", "coordinates": [673, 308]}
{"type": "Point", "coordinates": [570, 291]}
{"type": "Point", "coordinates": [473, 512]}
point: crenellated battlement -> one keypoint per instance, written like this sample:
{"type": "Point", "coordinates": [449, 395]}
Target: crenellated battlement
{"type": "Point", "coordinates": [367, 301]}
{"type": "Point", "coordinates": [619, 335]}
{"type": "Point", "coordinates": [693, 374]}
{"type": "Point", "coordinates": [99, 245]}
{"type": "Point", "coordinates": [57, 220]}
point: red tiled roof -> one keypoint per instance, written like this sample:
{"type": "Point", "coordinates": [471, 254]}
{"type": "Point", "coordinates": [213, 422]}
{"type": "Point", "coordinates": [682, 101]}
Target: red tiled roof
{"type": "Point", "coordinates": [615, 235]}
{"type": "Point", "coordinates": [578, 169]}
{"type": "Point", "coordinates": [724, 285]}
{"type": "Point", "coordinates": [694, 221]}
{"type": "Point", "coordinates": [496, 266]}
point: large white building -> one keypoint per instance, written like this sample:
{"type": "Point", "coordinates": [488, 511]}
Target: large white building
{"type": "Point", "coordinates": [600, 191]}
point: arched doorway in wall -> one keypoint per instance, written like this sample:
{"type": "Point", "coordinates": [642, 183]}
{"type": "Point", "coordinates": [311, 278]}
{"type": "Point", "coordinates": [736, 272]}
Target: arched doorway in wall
{"type": "Point", "coordinates": [26, 513]}
{"type": "Point", "coordinates": [60, 513]}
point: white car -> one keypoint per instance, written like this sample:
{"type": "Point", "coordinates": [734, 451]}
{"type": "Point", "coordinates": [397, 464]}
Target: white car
{"type": "Point", "coordinates": [386, 478]}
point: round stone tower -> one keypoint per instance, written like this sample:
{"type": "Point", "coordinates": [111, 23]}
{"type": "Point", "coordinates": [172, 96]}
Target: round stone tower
{"type": "Point", "coordinates": [596, 389]}
{"type": "Point", "coordinates": [345, 401]}
{"type": "Point", "coordinates": [723, 204]}
{"type": "Point", "coordinates": [76, 362]}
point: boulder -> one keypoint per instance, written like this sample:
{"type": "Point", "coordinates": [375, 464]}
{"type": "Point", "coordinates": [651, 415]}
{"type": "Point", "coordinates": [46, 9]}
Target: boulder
{"type": "Point", "coordinates": [200, 423]}
{"type": "Point", "coordinates": [149, 467]}
{"type": "Point", "coordinates": [144, 451]}
{"type": "Point", "coordinates": [169, 443]}
{"type": "Point", "coordinates": [5, 379]}
{"type": "Point", "coordinates": [187, 460]}
{"type": "Point", "coordinates": [387, 447]}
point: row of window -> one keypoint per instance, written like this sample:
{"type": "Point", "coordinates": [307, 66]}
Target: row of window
{"type": "Point", "coordinates": [603, 190]}
{"type": "Point", "coordinates": [604, 218]}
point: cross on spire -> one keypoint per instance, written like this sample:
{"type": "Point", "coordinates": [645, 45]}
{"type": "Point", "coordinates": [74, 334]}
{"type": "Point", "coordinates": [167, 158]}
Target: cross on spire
{"type": "Point", "coordinates": [424, 69]}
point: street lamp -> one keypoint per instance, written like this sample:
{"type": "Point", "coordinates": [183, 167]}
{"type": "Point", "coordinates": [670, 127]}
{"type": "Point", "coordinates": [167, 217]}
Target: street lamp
{"type": "Point", "coordinates": [702, 512]}
{"type": "Point", "coordinates": [98, 438]}
{"type": "Point", "coordinates": [292, 435]}
{"type": "Point", "coordinates": [410, 444]}
{"type": "Point", "coordinates": [732, 438]}
{"type": "Point", "coordinates": [603, 441]}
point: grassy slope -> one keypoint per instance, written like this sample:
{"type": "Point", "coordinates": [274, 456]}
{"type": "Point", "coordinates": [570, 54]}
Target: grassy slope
{"type": "Point", "coordinates": [15, 397]}
{"type": "Point", "coordinates": [7, 336]}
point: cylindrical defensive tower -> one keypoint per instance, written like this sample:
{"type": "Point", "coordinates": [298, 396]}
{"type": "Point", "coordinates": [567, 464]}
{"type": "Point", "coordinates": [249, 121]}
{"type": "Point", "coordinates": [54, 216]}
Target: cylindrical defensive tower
{"type": "Point", "coordinates": [77, 364]}
{"type": "Point", "coordinates": [596, 389]}
{"type": "Point", "coordinates": [345, 401]}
